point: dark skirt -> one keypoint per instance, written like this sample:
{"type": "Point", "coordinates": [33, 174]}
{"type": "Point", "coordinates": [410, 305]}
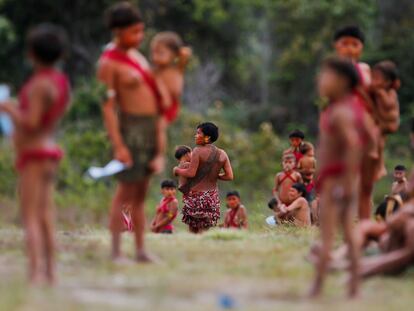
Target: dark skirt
{"type": "Point", "coordinates": [201, 209]}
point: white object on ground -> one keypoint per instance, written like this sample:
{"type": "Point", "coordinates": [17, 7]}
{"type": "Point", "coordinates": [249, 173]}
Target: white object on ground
{"type": "Point", "coordinates": [6, 124]}
{"type": "Point", "coordinates": [271, 221]}
{"type": "Point", "coordinates": [110, 169]}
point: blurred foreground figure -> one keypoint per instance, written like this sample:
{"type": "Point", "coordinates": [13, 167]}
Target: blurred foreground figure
{"type": "Point", "coordinates": [132, 114]}
{"type": "Point", "coordinates": [42, 103]}
{"type": "Point", "coordinates": [341, 124]}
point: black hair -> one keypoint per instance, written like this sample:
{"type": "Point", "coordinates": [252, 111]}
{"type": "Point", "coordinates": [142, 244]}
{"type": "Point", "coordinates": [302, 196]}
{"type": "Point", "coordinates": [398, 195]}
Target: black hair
{"type": "Point", "coordinates": [209, 129]}
{"type": "Point", "coordinates": [122, 15]}
{"type": "Point", "coordinates": [300, 188]}
{"type": "Point", "coordinates": [344, 68]}
{"type": "Point", "coordinates": [297, 134]}
{"type": "Point", "coordinates": [272, 203]}
{"type": "Point", "coordinates": [388, 69]}
{"type": "Point", "coordinates": [181, 151]}
{"type": "Point", "coordinates": [168, 183]}
{"type": "Point", "coordinates": [400, 168]}
{"type": "Point", "coordinates": [349, 31]}
{"type": "Point", "coordinates": [233, 193]}
{"type": "Point", "coordinates": [47, 43]}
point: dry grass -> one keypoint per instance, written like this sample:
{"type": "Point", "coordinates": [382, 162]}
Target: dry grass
{"type": "Point", "coordinates": [260, 270]}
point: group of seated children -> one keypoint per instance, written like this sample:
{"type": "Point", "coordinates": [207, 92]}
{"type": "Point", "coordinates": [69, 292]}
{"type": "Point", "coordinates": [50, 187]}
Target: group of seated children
{"type": "Point", "coordinates": [293, 194]}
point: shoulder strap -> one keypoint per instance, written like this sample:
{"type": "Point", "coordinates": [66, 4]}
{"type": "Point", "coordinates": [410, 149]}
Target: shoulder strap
{"type": "Point", "coordinates": [201, 172]}
{"type": "Point", "coordinates": [119, 56]}
{"type": "Point", "coordinates": [287, 175]}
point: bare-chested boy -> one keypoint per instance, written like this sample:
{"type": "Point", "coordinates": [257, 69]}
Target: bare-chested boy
{"type": "Point", "coordinates": [298, 212]}
{"type": "Point", "coordinates": [340, 159]}
{"type": "Point", "coordinates": [183, 155]}
{"type": "Point", "coordinates": [285, 179]}
{"type": "Point", "coordinates": [132, 114]}
{"type": "Point", "coordinates": [236, 215]}
{"type": "Point", "coordinates": [349, 43]}
{"type": "Point", "coordinates": [296, 139]}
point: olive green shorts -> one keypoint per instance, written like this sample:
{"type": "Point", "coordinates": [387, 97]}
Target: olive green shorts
{"type": "Point", "coordinates": [139, 135]}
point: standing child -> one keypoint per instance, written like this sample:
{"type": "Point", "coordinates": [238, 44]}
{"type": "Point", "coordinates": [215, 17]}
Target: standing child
{"type": "Point", "coordinates": [285, 179]}
{"type": "Point", "coordinates": [296, 139]}
{"type": "Point", "coordinates": [167, 210]}
{"type": "Point", "coordinates": [170, 58]}
{"type": "Point", "coordinates": [349, 43]}
{"type": "Point", "coordinates": [42, 103]}
{"type": "Point", "coordinates": [183, 155]}
{"type": "Point", "coordinates": [132, 114]}
{"type": "Point", "coordinates": [340, 157]}
{"type": "Point", "coordinates": [236, 215]}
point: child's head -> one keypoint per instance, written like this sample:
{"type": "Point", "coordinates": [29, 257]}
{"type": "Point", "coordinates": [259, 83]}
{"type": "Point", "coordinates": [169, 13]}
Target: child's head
{"type": "Point", "coordinates": [168, 188]}
{"type": "Point", "coordinates": [125, 20]}
{"type": "Point", "coordinates": [385, 76]}
{"type": "Point", "coordinates": [233, 199]}
{"type": "Point", "coordinates": [183, 153]}
{"type": "Point", "coordinates": [349, 42]}
{"type": "Point", "coordinates": [296, 191]}
{"type": "Point", "coordinates": [296, 138]}
{"type": "Point", "coordinates": [46, 44]}
{"type": "Point", "coordinates": [307, 149]}
{"type": "Point", "coordinates": [273, 204]}
{"type": "Point", "coordinates": [399, 173]}
{"type": "Point", "coordinates": [207, 133]}
{"type": "Point", "coordinates": [336, 78]}
{"type": "Point", "coordinates": [288, 162]}
{"type": "Point", "coordinates": [166, 48]}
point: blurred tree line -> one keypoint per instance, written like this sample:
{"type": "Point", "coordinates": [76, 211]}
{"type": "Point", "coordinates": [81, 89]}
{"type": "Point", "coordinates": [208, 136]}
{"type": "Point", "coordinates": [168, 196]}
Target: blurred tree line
{"type": "Point", "coordinates": [259, 57]}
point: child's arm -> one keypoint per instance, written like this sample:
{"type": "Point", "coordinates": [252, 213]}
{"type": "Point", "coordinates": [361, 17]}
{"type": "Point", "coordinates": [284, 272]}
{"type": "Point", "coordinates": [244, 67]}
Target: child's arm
{"type": "Point", "coordinates": [106, 75]}
{"type": "Point", "coordinates": [184, 57]}
{"type": "Point", "coordinates": [276, 188]}
{"type": "Point", "coordinates": [243, 218]}
{"type": "Point", "coordinates": [192, 169]}
{"type": "Point", "coordinates": [299, 176]}
{"type": "Point", "coordinates": [166, 218]}
{"type": "Point", "coordinates": [297, 204]}
{"type": "Point", "coordinates": [228, 170]}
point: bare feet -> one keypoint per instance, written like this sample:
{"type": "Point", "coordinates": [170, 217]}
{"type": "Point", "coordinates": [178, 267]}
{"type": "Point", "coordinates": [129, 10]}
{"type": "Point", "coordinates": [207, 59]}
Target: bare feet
{"type": "Point", "coordinates": [144, 257]}
{"type": "Point", "coordinates": [315, 290]}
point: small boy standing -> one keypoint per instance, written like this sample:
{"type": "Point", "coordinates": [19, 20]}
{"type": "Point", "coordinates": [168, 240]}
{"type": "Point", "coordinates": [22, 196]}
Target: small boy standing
{"type": "Point", "coordinates": [167, 210]}
{"type": "Point", "coordinates": [400, 185]}
{"type": "Point", "coordinates": [236, 215]}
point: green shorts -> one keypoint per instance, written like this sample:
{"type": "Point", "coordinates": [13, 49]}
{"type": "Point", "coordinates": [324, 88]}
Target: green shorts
{"type": "Point", "coordinates": [139, 134]}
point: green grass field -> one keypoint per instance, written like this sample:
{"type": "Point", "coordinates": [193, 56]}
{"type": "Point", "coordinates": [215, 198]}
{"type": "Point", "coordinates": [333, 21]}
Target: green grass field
{"type": "Point", "coordinates": [260, 270]}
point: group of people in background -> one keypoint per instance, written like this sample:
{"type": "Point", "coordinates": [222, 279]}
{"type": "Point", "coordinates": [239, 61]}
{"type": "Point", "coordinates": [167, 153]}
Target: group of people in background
{"type": "Point", "coordinates": [359, 109]}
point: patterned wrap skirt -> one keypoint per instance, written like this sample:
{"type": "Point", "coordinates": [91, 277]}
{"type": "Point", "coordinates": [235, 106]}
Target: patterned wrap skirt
{"type": "Point", "coordinates": [201, 209]}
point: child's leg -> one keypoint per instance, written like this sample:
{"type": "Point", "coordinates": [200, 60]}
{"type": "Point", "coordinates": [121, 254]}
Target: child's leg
{"type": "Point", "coordinates": [122, 197]}
{"type": "Point", "coordinates": [138, 218]}
{"type": "Point", "coordinates": [47, 212]}
{"type": "Point", "coordinates": [327, 226]}
{"type": "Point", "coordinates": [30, 192]}
{"type": "Point", "coordinates": [353, 246]}
{"type": "Point", "coordinates": [368, 171]}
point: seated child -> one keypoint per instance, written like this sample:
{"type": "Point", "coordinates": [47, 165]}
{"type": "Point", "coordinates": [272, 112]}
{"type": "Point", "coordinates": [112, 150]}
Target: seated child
{"type": "Point", "coordinates": [284, 180]}
{"type": "Point", "coordinates": [385, 83]}
{"type": "Point", "coordinates": [296, 139]}
{"type": "Point", "coordinates": [400, 184]}
{"type": "Point", "coordinates": [170, 58]}
{"type": "Point", "coordinates": [167, 210]}
{"type": "Point", "coordinates": [307, 163]}
{"type": "Point", "coordinates": [183, 155]}
{"type": "Point", "coordinates": [298, 211]}
{"type": "Point", "coordinates": [236, 216]}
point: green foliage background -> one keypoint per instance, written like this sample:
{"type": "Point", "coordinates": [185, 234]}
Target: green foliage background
{"type": "Point", "coordinates": [253, 73]}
